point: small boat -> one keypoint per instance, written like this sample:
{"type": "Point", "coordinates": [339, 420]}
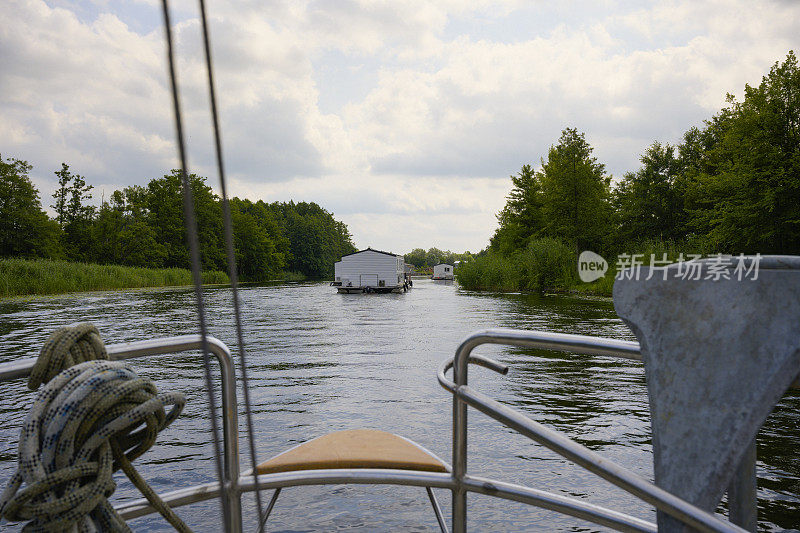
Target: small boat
{"type": "Point", "coordinates": [442, 272]}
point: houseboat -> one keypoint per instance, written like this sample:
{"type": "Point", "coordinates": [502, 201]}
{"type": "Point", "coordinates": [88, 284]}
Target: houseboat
{"type": "Point", "coordinates": [443, 271]}
{"type": "Point", "coordinates": [370, 271]}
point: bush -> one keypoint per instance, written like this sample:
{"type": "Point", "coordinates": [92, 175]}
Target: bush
{"type": "Point", "coordinates": [294, 276]}
{"type": "Point", "coordinates": [548, 264]}
{"type": "Point", "coordinates": [491, 271]}
{"type": "Point", "coordinates": [545, 264]}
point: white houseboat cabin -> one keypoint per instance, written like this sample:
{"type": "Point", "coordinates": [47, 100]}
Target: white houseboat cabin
{"type": "Point", "coordinates": [370, 271]}
{"type": "Point", "coordinates": [443, 271]}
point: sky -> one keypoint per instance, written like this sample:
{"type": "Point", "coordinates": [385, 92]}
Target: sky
{"type": "Point", "coordinates": [404, 119]}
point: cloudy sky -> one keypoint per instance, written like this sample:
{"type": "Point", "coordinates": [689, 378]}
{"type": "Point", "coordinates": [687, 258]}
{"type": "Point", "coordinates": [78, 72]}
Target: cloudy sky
{"type": "Point", "coordinates": [403, 118]}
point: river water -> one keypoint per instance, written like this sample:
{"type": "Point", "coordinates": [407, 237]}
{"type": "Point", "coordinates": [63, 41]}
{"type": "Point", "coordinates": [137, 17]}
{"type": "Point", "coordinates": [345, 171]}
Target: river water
{"type": "Point", "coordinates": [320, 361]}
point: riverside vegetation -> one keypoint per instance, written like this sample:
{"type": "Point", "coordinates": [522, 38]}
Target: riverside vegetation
{"type": "Point", "coordinates": [51, 276]}
{"type": "Point", "coordinates": [731, 187]}
{"type": "Point", "coordinates": [425, 261]}
{"type": "Point", "coordinates": [141, 229]}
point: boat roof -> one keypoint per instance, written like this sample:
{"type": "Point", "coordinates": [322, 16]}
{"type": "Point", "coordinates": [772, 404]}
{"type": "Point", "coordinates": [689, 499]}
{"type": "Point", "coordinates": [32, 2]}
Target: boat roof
{"type": "Point", "coordinates": [372, 250]}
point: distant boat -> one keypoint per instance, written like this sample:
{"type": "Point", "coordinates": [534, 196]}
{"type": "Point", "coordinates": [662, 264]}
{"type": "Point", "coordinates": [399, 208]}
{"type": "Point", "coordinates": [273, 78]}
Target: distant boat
{"type": "Point", "coordinates": [443, 271]}
{"type": "Point", "coordinates": [368, 271]}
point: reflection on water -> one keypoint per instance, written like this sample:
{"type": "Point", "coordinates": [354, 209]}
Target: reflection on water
{"type": "Point", "coordinates": [321, 361]}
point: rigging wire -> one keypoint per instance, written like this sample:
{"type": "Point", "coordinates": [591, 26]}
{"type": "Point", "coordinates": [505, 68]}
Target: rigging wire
{"type": "Point", "coordinates": [232, 272]}
{"type": "Point", "coordinates": [194, 251]}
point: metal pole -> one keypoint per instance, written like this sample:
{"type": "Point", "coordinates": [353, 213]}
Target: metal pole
{"type": "Point", "coordinates": [459, 505]}
{"type": "Point", "coordinates": [230, 423]}
{"type": "Point", "coordinates": [230, 432]}
{"type": "Point", "coordinates": [440, 480]}
{"type": "Point", "coordinates": [460, 367]}
{"type": "Point", "coordinates": [272, 502]}
{"type": "Point", "coordinates": [636, 485]}
{"type": "Point", "coordinates": [437, 510]}
{"type": "Point", "coordinates": [504, 336]}
{"type": "Point", "coordinates": [597, 464]}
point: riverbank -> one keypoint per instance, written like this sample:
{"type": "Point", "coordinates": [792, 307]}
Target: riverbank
{"type": "Point", "coordinates": [549, 265]}
{"type": "Point", "coordinates": [602, 287]}
{"type": "Point", "coordinates": [544, 265]}
{"type": "Point", "coordinates": [22, 277]}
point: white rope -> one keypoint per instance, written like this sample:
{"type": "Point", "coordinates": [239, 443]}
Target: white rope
{"type": "Point", "coordinates": [87, 422]}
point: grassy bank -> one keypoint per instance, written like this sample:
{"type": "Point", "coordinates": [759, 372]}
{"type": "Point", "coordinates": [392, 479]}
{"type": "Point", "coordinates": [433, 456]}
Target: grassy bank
{"type": "Point", "coordinates": [294, 276]}
{"type": "Point", "coordinates": [43, 276]}
{"type": "Point", "coordinates": [548, 265]}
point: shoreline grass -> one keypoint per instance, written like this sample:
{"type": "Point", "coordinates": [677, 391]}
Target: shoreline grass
{"type": "Point", "coordinates": [557, 285]}
{"type": "Point", "coordinates": [27, 277]}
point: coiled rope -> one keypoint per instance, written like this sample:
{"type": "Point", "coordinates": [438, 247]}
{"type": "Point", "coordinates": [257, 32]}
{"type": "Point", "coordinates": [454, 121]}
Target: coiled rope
{"type": "Point", "coordinates": [66, 347]}
{"type": "Point", "coordinates": [90, 420]}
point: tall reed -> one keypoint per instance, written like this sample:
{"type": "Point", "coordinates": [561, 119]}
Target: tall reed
{"type": "Point", "coordinates": [44, 276]}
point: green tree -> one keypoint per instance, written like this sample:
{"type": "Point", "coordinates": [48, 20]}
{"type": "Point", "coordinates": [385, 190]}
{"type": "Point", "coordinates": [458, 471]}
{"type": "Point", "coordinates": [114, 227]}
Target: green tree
{"type": "Point", "coordinates": [73, 214]}
{"type": "Point", "coordinates": [70, 196]}
{"type": "Point", "coordinates": [416, 257]}
{"type": "Point", "coordinates": [424, 260]}
{"type": "Point", "coordinates": [106, 229]}
{"type": "Point", "coordinates": [122, 234]}
{"type": "Point", "coordinates": [268, 218]}
{"type": "Point", "coordinates": [743, 187]}
{"type": "Point", "coordinates": [139, 247]}
{"type": "Point", "coordinates": [521, 217]}
{"type": "Point", "coordinates": [144, 226]}
{"type": "Point", "coordinates": [61, 195]}
{"type": "Point", "coordinates": [256, 241]}
{"type": "Point", "coordinates": [434, 256]}
{"type": "Point", "coordinates": [25, 229]}
{"type": "Point", "coordinates": [344, 240]}
{"type": "Point", "coordinates": [316, 239]}
{"type": "Point", "coordinates": [649, 202]}
{"type": "Point", "coordinates": [165, 206]}
{"type": "Point", "coordinates": [575, 192]}
{"type": "Point", "coordinates": [79, 193]}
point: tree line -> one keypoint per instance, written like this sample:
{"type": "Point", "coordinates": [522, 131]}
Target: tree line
{"type": "Point", "coordinates": [143, 226]}
{"type": "Point", "coordinates": [424, 261]}
{"type": "Point", "coordinates": [731, 186]}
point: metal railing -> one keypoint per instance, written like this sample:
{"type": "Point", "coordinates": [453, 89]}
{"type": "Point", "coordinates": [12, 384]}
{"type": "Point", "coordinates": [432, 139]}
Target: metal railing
{"type": "Point", "coordinates": [464, 396]}
{"type": "Point", "coordinates": [457, 480]}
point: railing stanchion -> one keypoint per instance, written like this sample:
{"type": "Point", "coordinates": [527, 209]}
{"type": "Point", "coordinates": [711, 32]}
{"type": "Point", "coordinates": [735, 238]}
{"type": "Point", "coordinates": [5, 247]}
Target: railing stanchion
{"type": "Point", "coordinates": [460, 440]}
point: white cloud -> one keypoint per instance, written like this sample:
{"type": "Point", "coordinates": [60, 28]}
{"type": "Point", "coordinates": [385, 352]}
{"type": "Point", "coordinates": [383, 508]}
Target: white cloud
{"type": "Point", "coordinates": [68, 93]}
{"type": "Point", "coordinates": [404, 118]}
{"type": "Point", "coordinates": [399, 212]}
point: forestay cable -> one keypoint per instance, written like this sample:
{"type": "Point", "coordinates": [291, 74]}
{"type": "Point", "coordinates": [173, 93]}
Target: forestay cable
{"type": "Point", "coordinates": [194, 252]}
{"type": "Point", "coordinates": [232, 272]}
